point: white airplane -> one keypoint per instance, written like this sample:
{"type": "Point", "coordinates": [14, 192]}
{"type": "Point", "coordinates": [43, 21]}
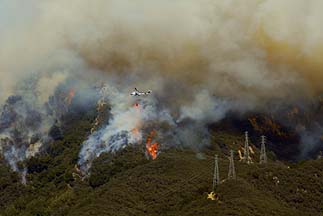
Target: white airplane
{"type": "Point", "coordinates": [138, 93]}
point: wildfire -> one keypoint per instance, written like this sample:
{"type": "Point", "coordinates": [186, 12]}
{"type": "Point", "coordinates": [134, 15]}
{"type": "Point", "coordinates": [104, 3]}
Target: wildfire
{"type": "Point", "coordinates": [71, 94]}
{"type": "Point", "coordinates": [136, 133]}
{"type": "Point", "coordinates": [152, 148]}
{"type": "Point", "coordinates": [101, 104]}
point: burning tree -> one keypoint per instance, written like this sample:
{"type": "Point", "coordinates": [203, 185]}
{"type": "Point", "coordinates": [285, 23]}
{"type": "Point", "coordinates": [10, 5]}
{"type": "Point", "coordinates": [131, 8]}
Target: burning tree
{"type": "Point", "coordinates": [152, 147]}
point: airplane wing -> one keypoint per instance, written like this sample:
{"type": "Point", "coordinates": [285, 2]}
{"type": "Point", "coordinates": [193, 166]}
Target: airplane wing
{"type": "Point", "coordinates": [136, 89]}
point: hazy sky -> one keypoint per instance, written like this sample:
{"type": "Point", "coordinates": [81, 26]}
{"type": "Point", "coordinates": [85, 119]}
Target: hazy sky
{"type": "Point", "coordinates": [14, 12]}
{"type": "Point", "coordinates": [230, 47]}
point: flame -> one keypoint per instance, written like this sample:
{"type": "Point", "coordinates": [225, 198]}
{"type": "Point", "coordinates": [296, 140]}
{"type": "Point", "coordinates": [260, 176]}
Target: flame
{"type": "Point", "coordinates": [100, 117]}
{"type": "Point", "coordinates": [136, 133]}
{"type": "Point", "coordinates": [71, 94]}
{"type": "Point", "coordinates": [152, 148]}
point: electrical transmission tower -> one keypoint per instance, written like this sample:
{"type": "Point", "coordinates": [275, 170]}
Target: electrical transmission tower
{"type": "Point", "coordinates": [263, 156]}
{"type": "Point", "coordinates": [246, 153]}
{"type": "Point", "coordinates": [232, 171]}
{"type": "Point", "coordinates": [216, 176]}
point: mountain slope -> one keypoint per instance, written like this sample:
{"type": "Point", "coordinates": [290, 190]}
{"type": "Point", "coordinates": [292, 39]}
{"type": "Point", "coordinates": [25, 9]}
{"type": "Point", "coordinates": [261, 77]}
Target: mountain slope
{"type": "Point", "coordinates": [176, 183]}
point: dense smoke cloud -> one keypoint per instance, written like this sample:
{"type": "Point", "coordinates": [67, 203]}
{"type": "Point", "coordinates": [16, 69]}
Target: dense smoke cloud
{"type": "Point", "coordinates": [200, 58]}
{"type": "Point", "coordinates": [243, 50]}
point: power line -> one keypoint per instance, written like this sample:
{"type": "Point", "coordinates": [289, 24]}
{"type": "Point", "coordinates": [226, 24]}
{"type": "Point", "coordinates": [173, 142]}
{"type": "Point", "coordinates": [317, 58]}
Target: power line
{"type": "Point", "coordinates": [216, 175]}
{"type": "Point", "coordinates": [263, 156]}
{"type": "Point", "coordinates": [232, 171]}
{"type": "Point", "coordinates": [246, 153]}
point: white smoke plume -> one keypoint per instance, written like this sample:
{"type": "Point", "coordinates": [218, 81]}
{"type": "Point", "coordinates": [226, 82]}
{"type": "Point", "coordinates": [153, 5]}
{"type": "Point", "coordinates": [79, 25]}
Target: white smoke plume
{"type": "Point", "coordinates": [126, 124]}
{"type": "Point", "coordinates": [205, 108]}
{"type": "Point", "coordinates": [25, 122]}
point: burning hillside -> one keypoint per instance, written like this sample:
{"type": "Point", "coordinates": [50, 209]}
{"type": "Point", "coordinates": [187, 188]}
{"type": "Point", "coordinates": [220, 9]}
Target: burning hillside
{"type": "Point", "coordinates": [246, 59]}
{"type": "Point", "coordinates": [28, 124]}
{"type": "Point", "coordinates": [127, 125]}
{"type": "Point", "coordinates": [206, 71]}
{"type": "Point", "coordinates": [152, 146]}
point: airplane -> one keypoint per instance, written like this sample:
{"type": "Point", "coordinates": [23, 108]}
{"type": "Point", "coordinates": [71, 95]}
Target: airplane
{"type": "Point", "coordinates": [138, 93]}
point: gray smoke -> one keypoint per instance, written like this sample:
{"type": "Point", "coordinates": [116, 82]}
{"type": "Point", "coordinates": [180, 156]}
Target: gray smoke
{"type": "Point", "coordinates": [26, 119]}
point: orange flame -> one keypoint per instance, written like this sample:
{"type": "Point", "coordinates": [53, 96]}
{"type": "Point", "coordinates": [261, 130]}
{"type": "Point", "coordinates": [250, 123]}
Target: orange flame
{"type": "Point", "coordinates": [152, 148]}
{"type": "Point", "coordinates": [70, 96]}
{"type": "Point", "coordinates": [135, 132]}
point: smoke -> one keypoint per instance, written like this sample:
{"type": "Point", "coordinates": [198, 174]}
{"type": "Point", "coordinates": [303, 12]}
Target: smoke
{"type": "Point", "coordinates": [26, 119]}
{"type": "Point", "coordinates": [232, 48]}
{"type": "Point", "coordinates": [200, 58]}
{"type": "Point", "coordinates": [311, 140]}
{"type": "Point", "coordinates": [205, 108]}
{"type": "Point", "coordinates": [127, 120]}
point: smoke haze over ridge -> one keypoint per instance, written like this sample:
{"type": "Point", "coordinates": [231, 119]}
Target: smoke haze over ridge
{"type": "Point", "coordinates": [200, 58]}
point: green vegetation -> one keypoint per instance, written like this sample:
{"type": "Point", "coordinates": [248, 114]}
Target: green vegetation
{"type": "Point", "coordinates": [176, 183]}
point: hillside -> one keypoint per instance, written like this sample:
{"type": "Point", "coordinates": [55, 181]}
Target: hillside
{"type": "Point", "coordinates": [176, 183]}
{"type": "Point", "coordinates": [130, 108]}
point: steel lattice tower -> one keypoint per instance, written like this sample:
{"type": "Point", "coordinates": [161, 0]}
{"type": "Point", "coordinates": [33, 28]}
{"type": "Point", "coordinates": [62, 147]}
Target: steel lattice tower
{"type": "Point", "coordinates": [232, 171]}
{"type": "Point", "coordinates": [216, 176]}
{"type": "Point", "coordinates": [263, 156]}
{"type": "Point", "coordinates": [246, 153]}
